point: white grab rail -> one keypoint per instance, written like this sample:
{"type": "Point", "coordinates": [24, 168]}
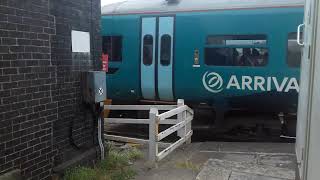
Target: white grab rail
{"type": "Point", "coordinates": [299, 34]}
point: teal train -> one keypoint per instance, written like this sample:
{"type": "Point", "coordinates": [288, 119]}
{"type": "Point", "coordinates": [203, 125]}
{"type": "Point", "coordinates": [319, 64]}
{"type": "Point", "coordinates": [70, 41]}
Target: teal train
{"type": "Point", "coordinates": [227, 54]}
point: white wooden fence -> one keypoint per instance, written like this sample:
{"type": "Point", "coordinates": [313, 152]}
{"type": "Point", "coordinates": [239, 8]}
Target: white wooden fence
{"type": "Point", "coordinates": [182, 125]}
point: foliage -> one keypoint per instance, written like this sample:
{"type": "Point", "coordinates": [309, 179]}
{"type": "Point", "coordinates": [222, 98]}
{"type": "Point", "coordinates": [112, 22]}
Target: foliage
{"type": "Point", "coordinates": [80, 173]}
{"type": "Point", "coordinates": [116, 166]}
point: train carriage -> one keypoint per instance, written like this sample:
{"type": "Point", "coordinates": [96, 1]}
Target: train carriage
{"type": "Point", "coordinates": [228, 54]}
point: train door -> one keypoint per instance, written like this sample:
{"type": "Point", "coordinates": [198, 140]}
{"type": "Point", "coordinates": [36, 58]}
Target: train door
{"type": "Point", "coordinates": [307, 142]}
{"type": "Point", "coordinates": [156, 65]}
{"type": "Point", "coordinates": [304, 85]}
{"type": "Point", "coordinates": [147, 70]}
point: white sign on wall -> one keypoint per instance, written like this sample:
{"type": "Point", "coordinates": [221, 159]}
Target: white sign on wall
{"type": "Point", "coordinates": [80, 41]}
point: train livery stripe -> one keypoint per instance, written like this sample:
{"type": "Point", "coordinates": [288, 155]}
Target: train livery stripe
{"type": "Point", "coordinates": [148, 71]}
{"type": "Point", "coordinates": [165, 90]}
{"type": "Point", "coordinates": [200, 10]}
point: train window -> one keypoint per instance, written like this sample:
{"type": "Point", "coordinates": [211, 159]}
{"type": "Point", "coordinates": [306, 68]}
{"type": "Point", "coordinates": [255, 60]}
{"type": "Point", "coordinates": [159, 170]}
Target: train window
{"type": "Point", "coordinates": [112, 45]}
{"type": "Point", "coordinates": [236, 40]}
{"type": "Point", "coordinates": [236, 56]}
{"type": "Point", "coordinates": [165, 51]}
{"type": "Point", "coordinates": [147, 49]}
{"type": "Point", "coordinates": [294, 51]}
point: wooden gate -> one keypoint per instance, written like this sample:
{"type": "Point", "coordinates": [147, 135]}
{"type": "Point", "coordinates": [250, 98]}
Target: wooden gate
{"type": "Point", "coordinates": [181, 125]}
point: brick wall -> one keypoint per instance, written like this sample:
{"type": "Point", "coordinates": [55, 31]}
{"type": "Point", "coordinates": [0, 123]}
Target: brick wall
{"type": "Point", "coordinates": [72, 119]}
{"type": "Point", "coordinates": [40, 106]}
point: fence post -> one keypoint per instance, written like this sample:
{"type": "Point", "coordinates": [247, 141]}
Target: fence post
{"type": "Point", "coordinates": [153, 132]}
{"type": "Point", "coordinates": [188, 128]}
{"type": "Point", "coordinates": [181, 117]}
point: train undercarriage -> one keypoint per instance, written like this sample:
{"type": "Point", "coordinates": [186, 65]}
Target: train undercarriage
{"type": "Point", "coordinates": [239, 125]}
{"type": "Point", "coordinates": [232, 125]}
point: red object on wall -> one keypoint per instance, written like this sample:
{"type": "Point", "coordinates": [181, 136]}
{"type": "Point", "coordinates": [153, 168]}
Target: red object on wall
{"type": "Point", "coordinates": [105, 62]}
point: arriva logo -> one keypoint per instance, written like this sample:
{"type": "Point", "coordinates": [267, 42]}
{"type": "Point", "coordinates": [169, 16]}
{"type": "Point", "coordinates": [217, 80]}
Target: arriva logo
{"type": "Point", "coordinates": [213, 82]}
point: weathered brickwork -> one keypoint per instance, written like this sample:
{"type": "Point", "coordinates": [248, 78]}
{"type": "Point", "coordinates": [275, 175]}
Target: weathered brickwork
{"type": "Point", "coordinates": [41, 113]}
{"type": "Point", "coordinates": [72, 121]}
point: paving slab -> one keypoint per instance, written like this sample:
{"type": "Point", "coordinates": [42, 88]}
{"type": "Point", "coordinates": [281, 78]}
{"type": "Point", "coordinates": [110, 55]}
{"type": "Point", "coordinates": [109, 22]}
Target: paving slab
{"type": "Point", "coordinates": [215, 168]}
{"type": "Point", "coordinates": [233, 160]}
{"type": "Point", "coordinates": [247, 176]}
{"type": "Point", "coordinates": [282, 161]}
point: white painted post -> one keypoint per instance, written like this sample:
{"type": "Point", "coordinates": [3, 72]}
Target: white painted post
{"type": "Point", "coordinates": [188, 128]}
{"type": "Point", "coordinates": [153, 132]}
{"type": "Point", "coordinates": [181, 117]}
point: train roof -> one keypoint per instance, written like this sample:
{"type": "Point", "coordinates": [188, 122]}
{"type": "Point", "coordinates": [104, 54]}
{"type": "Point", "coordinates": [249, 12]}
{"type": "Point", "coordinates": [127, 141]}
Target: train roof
{"type": "Point", "coordinates": [167, 6]}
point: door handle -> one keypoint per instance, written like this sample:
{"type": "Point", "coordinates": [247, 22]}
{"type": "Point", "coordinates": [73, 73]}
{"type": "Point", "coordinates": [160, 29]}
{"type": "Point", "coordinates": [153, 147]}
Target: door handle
{"type": "Point", "coordinates": [298, 35]}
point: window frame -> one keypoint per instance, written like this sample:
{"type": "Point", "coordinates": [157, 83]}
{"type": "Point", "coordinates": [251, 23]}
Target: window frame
{"type": "Point", "coordinates": [170, 50]}
{"type": "Point", "coordinates": [111, 54]}
{"type": "Point", "coordinates": [264, 46]}
{"type": "Point", "coordinates": [240, 39]}
{"type": "Point", "coordinates": [152, 52]}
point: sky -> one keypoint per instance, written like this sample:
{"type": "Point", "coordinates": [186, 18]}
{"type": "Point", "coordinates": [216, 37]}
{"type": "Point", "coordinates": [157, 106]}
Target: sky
{"type": "Point", "coordinates": [105, 2]}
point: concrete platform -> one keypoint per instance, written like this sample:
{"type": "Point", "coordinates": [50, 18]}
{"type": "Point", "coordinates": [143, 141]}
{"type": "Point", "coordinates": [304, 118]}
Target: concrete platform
{"type": "Point", "coordinates": [216, 169]}
{"type": "Point", "coordinates": [224, 161]}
